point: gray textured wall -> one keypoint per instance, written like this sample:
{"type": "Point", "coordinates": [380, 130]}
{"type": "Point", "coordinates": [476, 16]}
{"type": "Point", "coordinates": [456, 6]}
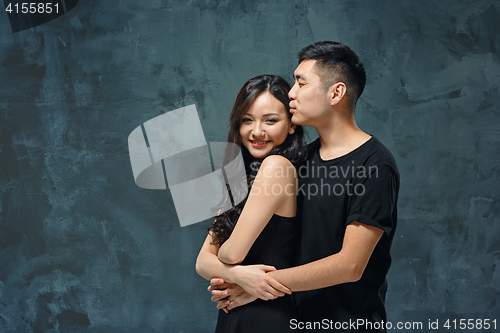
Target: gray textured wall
{"type": "Point", "coordinates": [83, 249]}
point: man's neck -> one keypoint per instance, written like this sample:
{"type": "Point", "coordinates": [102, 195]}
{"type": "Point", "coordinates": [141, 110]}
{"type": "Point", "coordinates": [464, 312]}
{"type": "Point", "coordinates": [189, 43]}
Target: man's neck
{"type": "Point", "coordinates": [339, 137]}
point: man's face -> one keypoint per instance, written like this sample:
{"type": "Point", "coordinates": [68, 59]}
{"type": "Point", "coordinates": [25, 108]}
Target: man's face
{"type": "Point", "coordinates": [309, 103]}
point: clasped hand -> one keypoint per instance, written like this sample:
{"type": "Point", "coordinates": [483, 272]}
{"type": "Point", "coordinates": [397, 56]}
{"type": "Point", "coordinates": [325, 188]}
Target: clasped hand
{"type": "Point", "coordinates": [250, 282]}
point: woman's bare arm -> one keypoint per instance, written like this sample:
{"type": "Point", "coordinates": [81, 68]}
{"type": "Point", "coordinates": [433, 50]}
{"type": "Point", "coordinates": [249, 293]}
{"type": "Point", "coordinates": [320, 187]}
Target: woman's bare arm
{"type": "Point", "coordinates": [251, 278]}
{"type": "Point", "coordinates": [259, 208]}
{"type": "Point", "coordinates": [274, 187]}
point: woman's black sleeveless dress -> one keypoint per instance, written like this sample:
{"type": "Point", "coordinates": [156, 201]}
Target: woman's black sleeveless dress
{"type": "Point", "coordinates": [275, 246]}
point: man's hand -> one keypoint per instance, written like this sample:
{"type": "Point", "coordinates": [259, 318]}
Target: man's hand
{"type": "Point", "coordinates": [228, 295]}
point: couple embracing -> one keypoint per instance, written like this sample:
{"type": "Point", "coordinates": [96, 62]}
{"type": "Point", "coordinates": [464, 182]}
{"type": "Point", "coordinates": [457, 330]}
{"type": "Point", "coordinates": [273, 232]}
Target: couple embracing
{"type": "Point", "coordinates": [319, 219]}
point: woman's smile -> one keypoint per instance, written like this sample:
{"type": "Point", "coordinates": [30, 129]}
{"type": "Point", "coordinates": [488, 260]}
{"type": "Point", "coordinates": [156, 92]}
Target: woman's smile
{"type": "Point", "coordinates": [259, 144]}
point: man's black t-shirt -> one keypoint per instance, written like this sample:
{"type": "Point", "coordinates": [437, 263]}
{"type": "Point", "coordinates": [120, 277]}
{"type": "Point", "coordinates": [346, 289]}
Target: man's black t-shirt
{"type": "Point", "coordinates": [360, 186]}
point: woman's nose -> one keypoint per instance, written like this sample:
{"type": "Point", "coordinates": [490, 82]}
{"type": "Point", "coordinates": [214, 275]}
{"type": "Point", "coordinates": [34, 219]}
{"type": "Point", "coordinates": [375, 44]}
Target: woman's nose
{"type": "Point", "coordinates": [258, 129]}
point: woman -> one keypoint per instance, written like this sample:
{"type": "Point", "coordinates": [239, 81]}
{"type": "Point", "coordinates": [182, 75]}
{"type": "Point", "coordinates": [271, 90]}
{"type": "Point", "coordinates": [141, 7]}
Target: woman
{"type": "Point", "coordinates": [259, 233]}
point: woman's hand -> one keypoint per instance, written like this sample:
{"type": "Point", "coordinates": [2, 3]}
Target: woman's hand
{"type": "Point", "coordinates": [254, 280]}
{"type": "Point", "coordinates": [228, 295]}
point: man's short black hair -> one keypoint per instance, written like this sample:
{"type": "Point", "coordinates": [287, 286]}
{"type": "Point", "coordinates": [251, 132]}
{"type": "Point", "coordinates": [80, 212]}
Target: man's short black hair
{"type": "Point", "coordinates": [336, 62]}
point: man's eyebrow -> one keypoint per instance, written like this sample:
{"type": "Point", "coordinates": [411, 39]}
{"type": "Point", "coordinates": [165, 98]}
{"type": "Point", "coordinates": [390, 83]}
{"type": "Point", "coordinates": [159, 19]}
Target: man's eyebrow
{"type": "Point", "coordinates": [299, 76]}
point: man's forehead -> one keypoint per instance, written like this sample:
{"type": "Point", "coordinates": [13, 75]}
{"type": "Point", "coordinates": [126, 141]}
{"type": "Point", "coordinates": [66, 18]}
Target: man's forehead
{"type": "Point", "coordinates": [305, 69]}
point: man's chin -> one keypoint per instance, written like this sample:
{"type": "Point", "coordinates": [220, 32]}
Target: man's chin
{"type": "Point", "coordinates": [297, 121]}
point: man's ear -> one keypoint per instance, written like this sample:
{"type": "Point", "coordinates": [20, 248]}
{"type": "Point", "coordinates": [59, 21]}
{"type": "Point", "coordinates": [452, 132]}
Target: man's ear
{"type": "Point", "coordinates": [337, 92]}
{"type": "Point", "coordinates": [291, 129]}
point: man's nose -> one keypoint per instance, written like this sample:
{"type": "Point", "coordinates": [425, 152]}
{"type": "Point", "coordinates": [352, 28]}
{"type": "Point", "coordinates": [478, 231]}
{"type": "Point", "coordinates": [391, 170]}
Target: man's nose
{"type": "Point", "coordinates": [292, 94]}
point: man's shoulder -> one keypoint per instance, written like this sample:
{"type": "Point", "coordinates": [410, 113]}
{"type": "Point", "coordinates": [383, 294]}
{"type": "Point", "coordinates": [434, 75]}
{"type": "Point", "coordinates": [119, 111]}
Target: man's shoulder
{"type": "Point", "coordinates": [375, 152]}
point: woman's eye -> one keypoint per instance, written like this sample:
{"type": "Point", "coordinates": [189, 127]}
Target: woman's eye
{"type": "Point", "coordinates": [246, 120]}
{"type": "Point", "coordinates": [271, 121]}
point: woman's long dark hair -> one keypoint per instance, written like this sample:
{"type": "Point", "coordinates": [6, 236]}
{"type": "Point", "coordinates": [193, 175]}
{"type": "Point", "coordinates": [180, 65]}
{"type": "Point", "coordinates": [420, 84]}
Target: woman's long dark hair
{"type": "Point", "coordinates": [293, 148]}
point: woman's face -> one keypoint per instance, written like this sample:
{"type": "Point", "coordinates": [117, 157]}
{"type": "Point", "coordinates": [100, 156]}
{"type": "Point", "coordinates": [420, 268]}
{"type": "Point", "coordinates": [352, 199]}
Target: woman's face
{"type": "Point", "coordinates": [265, 125]}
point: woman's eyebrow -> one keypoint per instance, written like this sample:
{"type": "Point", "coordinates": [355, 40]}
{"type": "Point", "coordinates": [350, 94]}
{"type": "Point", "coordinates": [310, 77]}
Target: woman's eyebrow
{"type": "Point", "coordinates": [271, 114]}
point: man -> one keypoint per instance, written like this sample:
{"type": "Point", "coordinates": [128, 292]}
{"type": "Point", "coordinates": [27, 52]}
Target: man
{"type": "Point", "coordinates": [348, 190]}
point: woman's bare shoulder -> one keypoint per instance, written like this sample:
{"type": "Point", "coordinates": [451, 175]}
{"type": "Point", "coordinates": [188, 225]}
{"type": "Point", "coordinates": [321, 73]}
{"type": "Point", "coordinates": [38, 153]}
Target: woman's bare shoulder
{"type": "Point", "coordinates": [277, 166]}
{"type": "Point", "coordinates": [276, 160]}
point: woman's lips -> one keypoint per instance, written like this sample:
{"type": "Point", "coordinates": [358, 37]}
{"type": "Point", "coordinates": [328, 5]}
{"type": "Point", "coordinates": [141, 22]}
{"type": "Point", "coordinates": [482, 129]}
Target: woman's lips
{"type": "Point", "coordinates": [259, 144]}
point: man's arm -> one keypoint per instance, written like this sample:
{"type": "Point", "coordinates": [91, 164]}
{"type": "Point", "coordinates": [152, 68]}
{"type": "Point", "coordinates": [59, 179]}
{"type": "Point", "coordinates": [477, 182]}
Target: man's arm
{"type": "Point", "coordinates": [345, 266]}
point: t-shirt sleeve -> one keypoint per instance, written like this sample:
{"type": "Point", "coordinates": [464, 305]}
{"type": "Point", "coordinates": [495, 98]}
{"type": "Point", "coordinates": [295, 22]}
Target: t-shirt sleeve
{"type": "Point", "coordinates": [374, 198]}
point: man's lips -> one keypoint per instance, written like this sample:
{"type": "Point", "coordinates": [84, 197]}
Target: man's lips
{"type": "Point", "coordinates": [259, 144]}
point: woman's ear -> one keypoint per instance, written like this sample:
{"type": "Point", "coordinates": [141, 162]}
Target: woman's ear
{"type": "Point", "coordinates": [291, 129]}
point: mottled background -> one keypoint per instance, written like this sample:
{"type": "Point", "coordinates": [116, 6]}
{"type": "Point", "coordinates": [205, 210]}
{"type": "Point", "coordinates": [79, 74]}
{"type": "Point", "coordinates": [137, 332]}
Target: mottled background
{"type": "Point", "coordinates": [83, 249]}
